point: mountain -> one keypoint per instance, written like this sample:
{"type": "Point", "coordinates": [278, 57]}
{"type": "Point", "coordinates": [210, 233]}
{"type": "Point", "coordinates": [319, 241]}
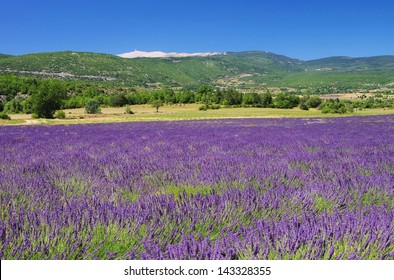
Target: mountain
{"type": "Point", "coordinates": [349, 63]}
{"type": "Point", "coordinates": [158, 54]}
{"type": "Point", "coordinates": [248, 70]}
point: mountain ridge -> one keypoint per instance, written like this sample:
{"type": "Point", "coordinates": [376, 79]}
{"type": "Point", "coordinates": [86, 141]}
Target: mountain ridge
{"type": "Point", "coordinates": [248, 69]}
{"type": "Point", "coordinates": [160, 54]}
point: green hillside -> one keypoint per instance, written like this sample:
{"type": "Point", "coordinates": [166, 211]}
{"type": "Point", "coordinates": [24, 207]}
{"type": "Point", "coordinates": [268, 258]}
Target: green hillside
{"type": "Point", "coordinates": [253, 69]}
{"type": "Point", "coordinates": [4, 55]}
{"type": "Point", "coordinates": [343, 63]}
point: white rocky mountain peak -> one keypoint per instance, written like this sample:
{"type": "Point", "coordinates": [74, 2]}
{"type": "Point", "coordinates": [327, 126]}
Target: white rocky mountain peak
{"type": "Point", "coordinates": [160, 54]}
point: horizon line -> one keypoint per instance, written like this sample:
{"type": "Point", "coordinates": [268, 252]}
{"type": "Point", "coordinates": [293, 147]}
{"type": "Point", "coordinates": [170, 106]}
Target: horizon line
{"type": "Point", "coordinates": [192, 54]}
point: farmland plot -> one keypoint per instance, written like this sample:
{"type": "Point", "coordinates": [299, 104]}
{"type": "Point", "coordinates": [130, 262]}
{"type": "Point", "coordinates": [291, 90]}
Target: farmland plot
{"type": "Point", "coordinates": [218, 189]}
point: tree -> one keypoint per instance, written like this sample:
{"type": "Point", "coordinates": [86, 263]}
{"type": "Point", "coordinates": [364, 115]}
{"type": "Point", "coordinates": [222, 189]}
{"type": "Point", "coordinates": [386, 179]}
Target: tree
{"type": "Point", "coordinates": [91, 92]}
{"type": "Point", "coordinates": [157, 104]}
{"type": "Point", "coordinates": [27, 106]}
{"type": "Point", "coordinates": [48, 98]}
{"type": "Point", "coordinates": [13, 106]}
{"type": "Point", "coordinates": [232, 97]}
{"type": "Point", "coordinates": [128, 110]}
{"type": "Point", "coordinates": [336, 106]}
{"type": "Point", "coordinates": [286, 101]}
{"type": "Point", "coordinates": [303, 106]}
{"type": "Point", "coordinates": [266, 100]}
{"type": "Point", "coordinates": [251, 99]}
{"type": "Point", "coordinates": [314, 101]}
{"type": "Point", "coordinates": [184, 97]}
{"type": "Point", "coordinates": [4, 116]}
{"type": "Point", "coordinates": [117, 100]}
{"type": "Point", "coordinates": [92, 107]}
{"type": "Point", "coordinates": [205, 94]}
{"type": "Point", "coordinates": [169, 96]}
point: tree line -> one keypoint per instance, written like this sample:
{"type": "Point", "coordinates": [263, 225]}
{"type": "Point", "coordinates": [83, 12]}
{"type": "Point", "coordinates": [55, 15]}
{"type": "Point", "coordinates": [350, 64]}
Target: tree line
{"type": "Point", "coordinates": [44, 97]}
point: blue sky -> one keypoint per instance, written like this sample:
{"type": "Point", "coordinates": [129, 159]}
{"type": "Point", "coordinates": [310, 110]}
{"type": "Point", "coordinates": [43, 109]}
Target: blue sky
{"type": "Point", "coordinates": [299, 29]}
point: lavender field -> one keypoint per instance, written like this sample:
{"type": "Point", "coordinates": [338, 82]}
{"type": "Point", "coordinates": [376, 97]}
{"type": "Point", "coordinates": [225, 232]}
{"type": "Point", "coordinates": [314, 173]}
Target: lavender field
{"type": "Point", "coordinates": [218, 189]}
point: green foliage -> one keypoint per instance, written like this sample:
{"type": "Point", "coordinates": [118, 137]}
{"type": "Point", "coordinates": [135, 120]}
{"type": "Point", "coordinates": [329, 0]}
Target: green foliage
{"type": "Point", "coordinates": [205, 107]}
{"type": "Point", "coordinates": [157, 104]}
{"type": "Point", "coordinates": [303, 106]}
{"type": "Point", "coordinates": [303, 101]}
{"type": "Point", "coordinates": [266, 100]}
{"type": "Point", "coordinates": [322, 204]}
{"type": "Point", "coordinates": [336, 106]}
{"type": "Point", "coordinates": [138, 98]}
{"type": "Point", "coordinates": [27, 106]}
{"type": "Point", "coordinates": [30, 95]}
{"type": "Point", "coordinates": [4, 116]}
{"type": "Point", "coordinates": [10, 85]}
{"type": "Point", "coordinates": [207, 94]}
{"type": "Point", "coordinates": [325, 75]}
{"type": "Point", "coordinates": [14, 106]}
{"type": "Point", "coordinates": [313, 101]}
{"type": "Point", "coordinates": [60, 114]}
{"type": "Point", "coordinates": [4, 55]}
{"type": "Point", "coordinates": [185, 97]}
{"type": "Point", "coordinates": [251, 99]}
{"type": "Point", "coordinates": [92, 107]}
{"type": "Point", "coordinates": [186, 191]}
{"type": "Point", "coordinates": [232, 97]}
{"type": "Point", "coordinates": [1, 107]}
{"type": "Point", "coordinates": [128, 110]}
{"type": "Point", "coordinates": [48, 98]}
{"type": "Point", "coordinates": [286, 101]}
{"type": "Point", "coordinates": [373, 102]}
{"type": "Point", "coordinates": [117, 100]}
{"type": "Point", "coordinates": [168, 96]}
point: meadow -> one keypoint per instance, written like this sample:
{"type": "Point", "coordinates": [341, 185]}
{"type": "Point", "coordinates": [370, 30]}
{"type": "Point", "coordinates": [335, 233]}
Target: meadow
{"type": "Point", "coordinates": [251, 188]}
{"type": "Point", "coordinates": [144, 113]}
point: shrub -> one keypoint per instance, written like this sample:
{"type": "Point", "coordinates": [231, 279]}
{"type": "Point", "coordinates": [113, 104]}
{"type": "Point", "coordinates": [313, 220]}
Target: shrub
{"type": "Point", "coordinates": [60, 114]}
{"type": "Point", "coordinates": [4, 116]}
{"type": "Point", "coordinates": [128, 110]}
{"type": "Point", "coordinates": [117, 100]}
{"type": "Point", "coordinates": [313, 101]}
{"type": "Point", "coordinates": [336, 106]}
{"type": "Point", "coordinates": [14, 106]}
{"type": "Point", "coordinates": [1, 106]}
{"type": "Point", "coordinates": [215, 106]}
{"type": "Point", "coordinates": [157, 104]}
{"type": "Point", "coordinates": [34, 116]}
{"type": "Point", "coordinates": [203, 108]}
{"type": "Point", "coordinates": [303, 106]}
{"type": "Point", "coordinates": [27, 106]}
{"type": "Point", "coordinates": [92, 107]}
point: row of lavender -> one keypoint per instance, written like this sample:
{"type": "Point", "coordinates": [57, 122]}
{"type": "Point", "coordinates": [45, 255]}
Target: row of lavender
{"type": "Point", "coordinates": [219, 189]}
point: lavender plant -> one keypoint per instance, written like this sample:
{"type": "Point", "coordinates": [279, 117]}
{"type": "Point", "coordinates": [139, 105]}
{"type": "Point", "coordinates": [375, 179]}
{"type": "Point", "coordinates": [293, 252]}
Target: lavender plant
{"type": "Point", "coordinates": [218, 189]}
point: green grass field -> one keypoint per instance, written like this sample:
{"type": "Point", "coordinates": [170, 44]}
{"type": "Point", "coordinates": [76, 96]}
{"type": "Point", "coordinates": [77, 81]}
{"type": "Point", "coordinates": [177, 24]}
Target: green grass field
{"type": "Point", "coordinates": [177, 112]}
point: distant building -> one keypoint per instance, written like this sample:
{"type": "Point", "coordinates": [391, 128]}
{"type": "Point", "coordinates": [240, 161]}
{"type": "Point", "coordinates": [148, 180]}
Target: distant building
{"type": "Point", "coordinates": [153, 84]}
